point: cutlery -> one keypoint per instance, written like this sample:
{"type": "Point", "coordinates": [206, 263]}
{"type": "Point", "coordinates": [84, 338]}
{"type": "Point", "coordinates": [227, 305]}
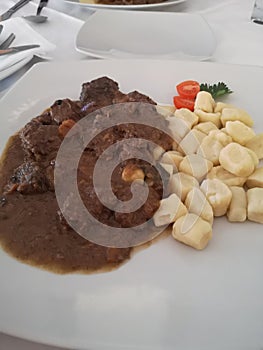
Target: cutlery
{"type": "Point", "coordinates": [15, 49]}
{"type": "Point", "coordinates": [5, 44]}
{"type": "Point", "coordinates": [257, 13]}
{"type": "Point", "coordinates": [38, 18]}
{"type": "Point", "coordinates": [13, 9]}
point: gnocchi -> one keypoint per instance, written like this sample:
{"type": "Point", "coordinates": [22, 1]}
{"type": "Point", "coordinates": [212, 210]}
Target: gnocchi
{"type": "Point", "coordinates": [217, 155]}
{"type": "Point", "coordinates": [169, 211]}
{"type": "Point", "coordinates": [192, 230]}
{"type": "Point", "coordinates": [237, 211]}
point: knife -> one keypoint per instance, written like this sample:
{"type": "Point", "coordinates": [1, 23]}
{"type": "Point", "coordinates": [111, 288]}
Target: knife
{"type": "Point", "coordinates": [15, 49]}
{"type": "Point", "coordinates": [13, 9]}
{"type": "Point", "coordinates": [8, 41]}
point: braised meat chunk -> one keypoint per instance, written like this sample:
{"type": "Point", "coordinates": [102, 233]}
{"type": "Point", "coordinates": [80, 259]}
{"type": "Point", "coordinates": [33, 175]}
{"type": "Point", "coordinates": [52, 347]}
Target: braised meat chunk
{"type": "Point", "coordinates": [66, 109]}
{"type": "Point", "coordinates": [28, 178]}
{"type": "Point", "coordinates": [100, 91]}
{"type": "Point", "coordinates": [133, 96]}
{"type": "Point", "coordinates": [41, 142]}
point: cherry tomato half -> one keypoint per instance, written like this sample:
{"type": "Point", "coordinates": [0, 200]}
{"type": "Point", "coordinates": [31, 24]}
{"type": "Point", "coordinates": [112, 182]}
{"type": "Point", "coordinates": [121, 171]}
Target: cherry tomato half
{"type": "Point", "coordinates": [181, 102]}
{"type": "Point", "coordinates": [188, 89]}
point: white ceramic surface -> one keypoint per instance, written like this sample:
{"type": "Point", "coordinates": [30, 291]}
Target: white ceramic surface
{"type": "Point", "coordinates": [156, 6]}
{"type": "Point", "coordinates": [128, 34]}
{"type": "Point", "coordinates": [168, 296]}
{"type": "Point", "coordinates": [14, 67]}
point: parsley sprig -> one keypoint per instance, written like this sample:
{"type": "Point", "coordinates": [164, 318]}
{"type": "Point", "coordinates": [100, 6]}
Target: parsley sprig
{"type": "Point", "coordinates": [216, 90]}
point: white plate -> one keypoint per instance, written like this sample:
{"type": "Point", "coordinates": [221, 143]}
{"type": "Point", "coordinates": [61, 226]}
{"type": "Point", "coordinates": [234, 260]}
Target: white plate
{"type": "Point", "coordinates": [15, 67]}
{"type": "Point", "coordinates": [168, 296]}
{"type": "Point", "coordinates": [158, 6]}
{"type": "Point", "coordinates": [129, 34]}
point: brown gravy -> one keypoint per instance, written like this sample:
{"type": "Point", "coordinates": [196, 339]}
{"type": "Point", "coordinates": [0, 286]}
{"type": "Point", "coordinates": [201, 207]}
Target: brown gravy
{"type": "Point", "coordinates": [35, 239]}
{"type": "Point", "coordinates": [32, 229]}
{"type": "Point", "coordinates": [38, 239]}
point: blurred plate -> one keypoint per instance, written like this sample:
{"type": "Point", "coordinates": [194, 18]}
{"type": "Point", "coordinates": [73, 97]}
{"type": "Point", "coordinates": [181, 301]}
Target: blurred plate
{"type": "Point", "coordinates": [129, 34]}
{"type": "Point", "coordinates": [92, 4]}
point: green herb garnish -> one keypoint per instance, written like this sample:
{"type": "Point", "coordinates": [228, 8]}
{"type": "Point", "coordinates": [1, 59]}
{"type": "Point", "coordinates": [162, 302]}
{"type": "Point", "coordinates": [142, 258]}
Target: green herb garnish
{"type": "Point", "coordinates": [216, 90]}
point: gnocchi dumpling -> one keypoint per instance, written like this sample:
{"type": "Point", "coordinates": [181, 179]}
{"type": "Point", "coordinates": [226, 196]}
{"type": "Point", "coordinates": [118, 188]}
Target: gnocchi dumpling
{"type": "Point", "coordinates": [237, 211]}
{"type": "Point", "coordinates": [237, 159]}
{"type": "Point", "coordinates": [170, 209]}
{"type": "Point", "coordinates": [255, 204]}
{"type": "Point", "coordinates": [195, 165]}
{"type": "Point", "coordinates": [218, 195]}
{"type": "Point", "coordinates": [192, 230]}
{"type": "Point", "coordinates": [197, 203]}
{"type": "Point", "coordinates": [204, 102]}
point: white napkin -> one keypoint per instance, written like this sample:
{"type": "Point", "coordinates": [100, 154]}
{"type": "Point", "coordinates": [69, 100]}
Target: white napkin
{"type": "Point", "coordinates": [239, 41]}
{"type": "Point", "coordinates": [24, 35]}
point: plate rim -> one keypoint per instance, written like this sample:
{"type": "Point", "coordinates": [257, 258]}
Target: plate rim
{"type": "Point", "coordinates": [127, 7]}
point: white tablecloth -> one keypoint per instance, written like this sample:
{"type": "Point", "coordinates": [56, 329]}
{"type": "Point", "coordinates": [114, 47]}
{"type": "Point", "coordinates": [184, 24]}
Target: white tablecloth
{"type": "Point", "coordinates": [238, 42]}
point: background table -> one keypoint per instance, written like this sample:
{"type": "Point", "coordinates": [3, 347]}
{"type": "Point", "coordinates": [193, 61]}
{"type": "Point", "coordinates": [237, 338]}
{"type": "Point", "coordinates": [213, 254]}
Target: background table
{"type": "Point", "coordinates": [238, 42]}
